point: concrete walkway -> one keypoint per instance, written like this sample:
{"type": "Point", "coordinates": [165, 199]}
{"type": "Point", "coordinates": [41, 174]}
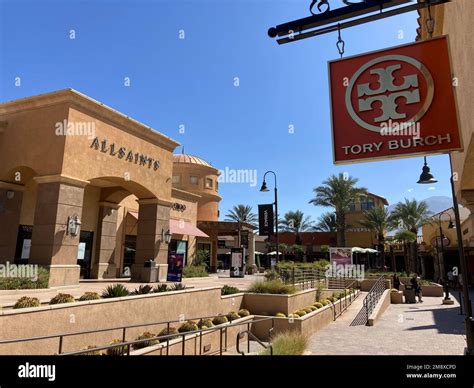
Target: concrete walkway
{"type": "Point", "coordinates": [8, 297]}
{"type": "Point", "coordinates": [427, 328]}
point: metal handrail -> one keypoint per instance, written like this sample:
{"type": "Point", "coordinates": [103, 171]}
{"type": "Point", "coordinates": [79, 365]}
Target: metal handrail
{"type": "Point", "coordinates": [251, 335]}
{"type": "Point", "coordinates": [372, 298]}
{"type": "Point", "coordinates": [168, 337]}
{"type": "Point", "coordinates": [344, 305]}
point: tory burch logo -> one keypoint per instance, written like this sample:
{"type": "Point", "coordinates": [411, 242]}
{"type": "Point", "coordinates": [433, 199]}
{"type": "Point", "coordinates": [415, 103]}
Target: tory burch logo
{"type": "Point", "coordinates": [389, 104]}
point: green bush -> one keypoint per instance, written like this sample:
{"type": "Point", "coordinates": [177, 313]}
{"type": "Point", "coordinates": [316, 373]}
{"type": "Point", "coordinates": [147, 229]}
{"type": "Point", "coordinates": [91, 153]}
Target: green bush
{"type": "Point", "coordinates": [293, 315]}
{"type": "Point", "coordinates": [205, 323]}
{"type": "Point", "coordinates": [195, 271]}
{"type": "Point", "coordinates": [89, 296]}
{"type": "Point", "coordinates": [318, 305]}
{"type": "Point", "coordinates": [288, 344]}
{"type": "Point", "coordinates": [220, 319]}
{"type": "Point", "coordinates": [313, 308]}
{"type": "Point", "coordinates": [172, 330]}
{"type": "Point", "coordinates": [62, 298]}
{"type": "Point", "coordinates": [301, 313]}
{"type": "Point", "coordinates": [229, 290]}
{"type": "Point", "coordinates": [188, 326]}
{"type": "Point", "coordinates": [281, 315]}
{"type": "Point", "coordinates": [25, 302]}
{"type": "Point", "coordinates": [142, 289]}
{"type": "Point", "coordinates": [115, 291]}
{"type": "Point", "coordinates": [272, 275]}
{"type": "Point", "coordinates": [232, 316]}
{"type": "Point", "coordinates": [270, 287]}
{"type": "Point", "coordinates": [307, 310]}
{"type": "Point", "coordinates": [177, 287]}
{"type": "Point", "coordinates": [92, 352]}
{"type": "Point", "coordinates": [243, 313]}
{"type": "Point", "coordinates": [325, 302]}
{"type": "Point", "coordinates": [25, 283]}
{"type": "Point", "coordinates": [117, 350]}
{"type": "Point", "coordinates": [145, 344]}
{"type": "Point", "coordinates": [160, 288]}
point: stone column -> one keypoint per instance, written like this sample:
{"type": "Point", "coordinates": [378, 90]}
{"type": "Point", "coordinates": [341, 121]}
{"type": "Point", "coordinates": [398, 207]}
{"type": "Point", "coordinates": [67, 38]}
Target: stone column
{"type": "Point", "coordinates": [153, 223]}
{"type": "Point", "coordinates": [104, 263]}
{"type": "Point", "coordinates": [213, 266]}
{"type": "Point", "coordinates": [58, 198]}
{"type": "Point", "coordinates": [11, 196]}
{"type": "Point", "coordinates": [251, 249]}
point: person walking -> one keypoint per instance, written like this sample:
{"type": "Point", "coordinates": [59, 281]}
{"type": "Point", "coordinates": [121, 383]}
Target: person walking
{"type": "Point", "coordinates": [396, 282]}
{"type": "Point", "coordinates": [450, 279]}
{"type": "Point", "coordinates": [415, 282]}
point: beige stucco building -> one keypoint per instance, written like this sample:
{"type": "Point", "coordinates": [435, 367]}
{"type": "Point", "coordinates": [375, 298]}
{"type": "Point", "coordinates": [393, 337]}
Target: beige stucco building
{"type": "Point", "coordinates": [455, 20]}
{"type": "Point", "coordinates": [69, 161]}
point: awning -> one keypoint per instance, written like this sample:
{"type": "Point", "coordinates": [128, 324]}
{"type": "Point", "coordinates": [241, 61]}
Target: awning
{"type": "Point", "coordinates": [363, 250]}
{"type": "Point", "coordinates": [185, 228]}
{"type": "Point", "coordinates": [133, 214]}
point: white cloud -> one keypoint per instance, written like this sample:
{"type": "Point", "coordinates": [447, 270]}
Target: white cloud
{"type": "Point", "coordinates": [431, 188]}
{"type": "Point", "coordinates": [410, 190]}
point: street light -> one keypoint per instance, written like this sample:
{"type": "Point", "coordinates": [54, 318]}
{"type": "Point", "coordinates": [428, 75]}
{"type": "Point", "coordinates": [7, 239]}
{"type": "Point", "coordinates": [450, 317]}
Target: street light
{"type": "Point", "coordinates": [469, 322]}
{"type": "Point", "coordinates": [265, 189]}
{"type": "Point", "coordinates": [447, 299]}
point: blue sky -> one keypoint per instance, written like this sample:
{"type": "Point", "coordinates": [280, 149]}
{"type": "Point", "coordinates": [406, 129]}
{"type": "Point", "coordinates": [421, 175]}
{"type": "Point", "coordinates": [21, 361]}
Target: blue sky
{"type": "Point", "coordinates": [191, 82]}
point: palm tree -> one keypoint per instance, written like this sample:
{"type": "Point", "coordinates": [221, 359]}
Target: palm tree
{"type": "Point", "coordinates": [377, 220]}
{"type": "Point", "coordinates": [242, 213]}
{"type": "Point", "coordinates": [295, 222]}
{"type": "Point", "coordinates": [338, 192]}
{"type": "Point", "coordinates": [410, 216]}
{"type": "Point", "coordinates": [326, 223]}
{"type": "Point", "coordinates": [406, 238]}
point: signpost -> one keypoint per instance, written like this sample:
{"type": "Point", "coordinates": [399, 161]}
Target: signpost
{"type": "Point", "coordinates": [387, 104]}
{"type": "Point", "coordinates": [265, 219]}
{"type": "Point", "coordinates": [237, 262]}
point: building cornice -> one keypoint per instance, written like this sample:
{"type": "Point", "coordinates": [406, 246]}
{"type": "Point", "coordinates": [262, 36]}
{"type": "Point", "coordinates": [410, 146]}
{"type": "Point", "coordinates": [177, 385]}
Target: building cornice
{"type": "Point", "coordinates": [81, 101]}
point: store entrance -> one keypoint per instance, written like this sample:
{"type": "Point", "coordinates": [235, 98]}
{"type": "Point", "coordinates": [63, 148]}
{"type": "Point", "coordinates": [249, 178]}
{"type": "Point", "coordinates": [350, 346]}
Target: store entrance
{"type": "Point", "coordinates": [84, 253]}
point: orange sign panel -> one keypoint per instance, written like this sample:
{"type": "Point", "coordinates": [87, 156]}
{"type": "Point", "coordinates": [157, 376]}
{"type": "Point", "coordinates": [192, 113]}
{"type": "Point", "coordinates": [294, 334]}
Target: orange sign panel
{"type": "Point", "coordinates": [393, 103]}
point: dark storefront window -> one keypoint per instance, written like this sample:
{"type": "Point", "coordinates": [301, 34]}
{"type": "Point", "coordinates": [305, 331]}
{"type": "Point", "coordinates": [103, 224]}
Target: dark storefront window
{"type": "Point", "coordinates": [84, 253]}
{"type": "Point", "coordinates": [130, 246]}
{"type": "Point", "coordinates": [23, 244]}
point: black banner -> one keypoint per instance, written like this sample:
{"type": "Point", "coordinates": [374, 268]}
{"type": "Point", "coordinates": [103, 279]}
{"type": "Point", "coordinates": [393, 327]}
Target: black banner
{"type": "Point", "coordinates": [265, 219]}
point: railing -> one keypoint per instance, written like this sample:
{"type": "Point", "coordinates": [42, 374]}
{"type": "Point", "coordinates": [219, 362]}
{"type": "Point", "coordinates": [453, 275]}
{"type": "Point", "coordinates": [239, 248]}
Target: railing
{"type": "Point", "coordinates": [345, 301]}
{"type": "Point", "coordinates": [374, 295]}
{"type": "Point", "coordinates": [255, 338]}
{"type": "Point", "coordinates": [163, 338]}
{"type": "Point", "coordinates": [303, 278]}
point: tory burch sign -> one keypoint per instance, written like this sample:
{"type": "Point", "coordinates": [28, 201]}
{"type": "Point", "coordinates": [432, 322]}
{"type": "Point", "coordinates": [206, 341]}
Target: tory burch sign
{"type": "Point", "coordinates": [395, 102]}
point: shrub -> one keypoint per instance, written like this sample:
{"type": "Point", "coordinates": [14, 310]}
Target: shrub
{"type": "Point", "coordinates": [205, 323]}
{"type": "Point", "coordinates": [318, 305]}
{"type": "Point", "coordinates": [307, 310]}
{"type": "Point", "coordinates": [115, 291]}
{"type": "Point", "coordinates": [220, 319]}
{"type": "Point", "coordinates": [178, 287]}
{"type": "Point", "coordinates": [301, 313]}
{"type": "Point", "coordinates": [243, 313]}
{"type": "Point", "coordinates": [195, 271]}
{"type": "Point", "coordinates": [117, 350]}
{"type": "Point", "coordinates": [272, 275]}
{"type": "Point", "coordinates": [62, 298]}
{"type": "Point", "coordinates": [172, 330]}
{"type": "Point", "coordinates": [325, 302]}
{"type": "Point", "coordinates": [160, 288]}
{"type": "Point", "coordinates": [293, 315]}
{"type": "Point", "coordinates": [229, 290]}
{"type": "Point", "coordinates": [26, 283]}
{"type": "Point", "coordinates": [25, 302]}
{"type": "Point", "coordinates": [313, 308]}
{"type": "Point", "coordinates": [270, 287]}
{"type": "Point", "coordinates": [232, 316]}
{"type": "Point", "coordinates": [145, 344]}
{"type": "Point", "coordinates": [288, 344]}
{"type": "Point", "coordinates": [142, 290]}
{"type": "Point", "coordinates": [89, 296]}
{"type": "Point", "coordinates": [92, 352]}
{"type": "Point", "coordinates": [281, 315]}
{"type": "Point", "coordinates": [188, 326]}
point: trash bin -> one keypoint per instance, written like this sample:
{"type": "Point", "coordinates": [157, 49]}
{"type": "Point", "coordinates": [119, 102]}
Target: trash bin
{"type": "Point", "coordinates": [409, 294]}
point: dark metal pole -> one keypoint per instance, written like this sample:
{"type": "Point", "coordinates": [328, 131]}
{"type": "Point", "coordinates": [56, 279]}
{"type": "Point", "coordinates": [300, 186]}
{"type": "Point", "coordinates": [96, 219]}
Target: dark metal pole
{"type": "Point", "coordinates": [276, 225]}
{"type": "Point", "coordinates": [462, 259]}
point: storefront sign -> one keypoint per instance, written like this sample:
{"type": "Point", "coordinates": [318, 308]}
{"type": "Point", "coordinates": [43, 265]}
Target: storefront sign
{"type": "Point", "coordinates": [340, 256]}
{"type": "Point", "coordinates": [265, 220]}
{"type": "Point", "coordinates": [394, 103]}
{"type": "Point", "coordinates": [123, 153]}
{"type": "Point", "coordinates": [237, 262]}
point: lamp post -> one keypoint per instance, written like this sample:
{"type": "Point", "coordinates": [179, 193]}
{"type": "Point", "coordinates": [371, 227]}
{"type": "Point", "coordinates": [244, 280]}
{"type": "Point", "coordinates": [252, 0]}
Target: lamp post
{"type": "Point", "coordinates": [264, 188]}
{"type": "Point", "coordinates": [447, 299]}
{"type": "Point", "coordinates": [426, 178]}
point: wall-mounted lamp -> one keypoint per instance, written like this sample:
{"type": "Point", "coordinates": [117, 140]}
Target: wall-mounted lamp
{"type": "Point", "coordinates": [10, 194]}
{"type": "Point", "coordinates": [73, 225]}
{"type": "Point", "coordinates": [166, 236]}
